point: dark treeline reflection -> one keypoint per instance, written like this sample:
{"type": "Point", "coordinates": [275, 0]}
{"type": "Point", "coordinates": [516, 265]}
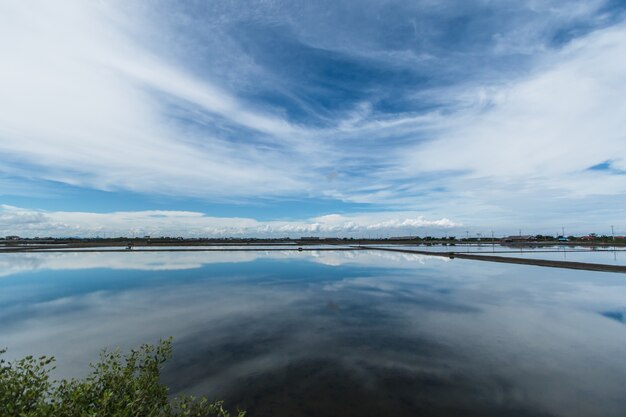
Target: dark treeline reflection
{"type": "Point", "coordinates": [336, 333]}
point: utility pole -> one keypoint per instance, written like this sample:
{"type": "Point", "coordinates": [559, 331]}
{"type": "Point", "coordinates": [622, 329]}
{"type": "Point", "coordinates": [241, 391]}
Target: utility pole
{"type": "Point", "coordinates": [612, 232]}
{"type": "Point", "coordinates": [562, 231]}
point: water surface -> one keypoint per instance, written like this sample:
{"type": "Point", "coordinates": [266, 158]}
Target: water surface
{"type": "Point", "coordinates": [326, 333]}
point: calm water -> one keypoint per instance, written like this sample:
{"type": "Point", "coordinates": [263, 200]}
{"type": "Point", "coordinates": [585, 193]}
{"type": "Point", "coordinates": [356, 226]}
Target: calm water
{"type": "Point", "coordinates": [605, 256]}
{"type": "Point", "coordinates": [602, 255]}
{"type": "Point", "coordinates": [334, 333]}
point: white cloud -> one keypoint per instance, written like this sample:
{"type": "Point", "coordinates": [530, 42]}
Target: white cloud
{"type": "Point", "coordinates": [80, 104]}
{"type": "Point", "coordinates": [29, 223]}
{"type": "Point", "coordinates": [84, 101]}
{"type": "Point", "coordinates": [519, 153]}
{"type": "Point", "coordinates": [560, 121]}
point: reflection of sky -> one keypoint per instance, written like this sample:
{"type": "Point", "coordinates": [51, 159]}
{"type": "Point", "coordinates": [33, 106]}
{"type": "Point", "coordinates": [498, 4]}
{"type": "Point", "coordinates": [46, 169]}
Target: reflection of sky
{"type": "Point", "coordinates": [605, 255]}
{"type": "Point", "coordinates": [13, 263]}
{"type": "Point", "coordinates": [275, 246]}
{"type": "Point", "coordinates": [356, 332]}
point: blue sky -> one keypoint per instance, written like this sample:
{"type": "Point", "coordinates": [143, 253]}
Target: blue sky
{"type": "Point", "coordinates": [327, 117]}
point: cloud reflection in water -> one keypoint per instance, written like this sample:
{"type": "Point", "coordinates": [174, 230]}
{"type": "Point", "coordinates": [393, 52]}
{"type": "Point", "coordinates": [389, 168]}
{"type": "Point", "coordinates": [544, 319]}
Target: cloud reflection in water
{"type": "Point", "coordinates": [334, 333]}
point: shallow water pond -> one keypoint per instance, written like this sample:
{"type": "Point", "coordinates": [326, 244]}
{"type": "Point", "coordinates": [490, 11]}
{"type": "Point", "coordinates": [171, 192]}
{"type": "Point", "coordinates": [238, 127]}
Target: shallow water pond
{"type": "Point", "coordinates": [362, 333]}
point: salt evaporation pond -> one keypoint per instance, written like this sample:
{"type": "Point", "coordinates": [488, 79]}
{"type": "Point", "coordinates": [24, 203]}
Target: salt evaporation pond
{"type": "Point", "coordinates": [363, 333]}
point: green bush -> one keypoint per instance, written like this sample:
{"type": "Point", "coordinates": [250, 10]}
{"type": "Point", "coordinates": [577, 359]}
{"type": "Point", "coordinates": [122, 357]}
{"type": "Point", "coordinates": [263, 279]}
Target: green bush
{"type": "Point", "coordinates": [118, 386]}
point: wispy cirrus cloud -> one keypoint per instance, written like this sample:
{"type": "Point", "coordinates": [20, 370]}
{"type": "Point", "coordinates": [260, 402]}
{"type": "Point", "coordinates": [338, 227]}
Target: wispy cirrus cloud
{"type": "Point", "coordinates": [80, 105]}
{"type": "Point", "coordinates": [482, 112]}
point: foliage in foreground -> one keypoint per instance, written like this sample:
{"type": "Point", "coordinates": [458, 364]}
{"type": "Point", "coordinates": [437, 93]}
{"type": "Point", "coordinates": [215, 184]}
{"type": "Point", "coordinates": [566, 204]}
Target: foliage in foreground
{"type": "Point", "coordinates": [118, 386]}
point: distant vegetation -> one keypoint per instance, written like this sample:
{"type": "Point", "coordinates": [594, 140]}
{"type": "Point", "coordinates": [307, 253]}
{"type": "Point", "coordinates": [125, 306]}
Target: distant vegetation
{"type": "Point", "coordinates": [118, 386]}
{"type": "Point", "coordinates": [16, 243]}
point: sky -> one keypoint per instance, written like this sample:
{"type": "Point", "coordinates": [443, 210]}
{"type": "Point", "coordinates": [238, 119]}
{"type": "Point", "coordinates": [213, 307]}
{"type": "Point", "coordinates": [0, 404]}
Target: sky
{"type": "Point", "coordinates": [331, 118]}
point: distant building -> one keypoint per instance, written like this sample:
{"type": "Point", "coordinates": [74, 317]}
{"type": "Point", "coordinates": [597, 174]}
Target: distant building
{"type": "Point", "coordinates": [309, 238]}
{"type": "Point", "coordinates": [404, 238]}
{"type": "Point", "coordinates": [519, 238]}
{"type": "Point", "coordinates": [12, 238]}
